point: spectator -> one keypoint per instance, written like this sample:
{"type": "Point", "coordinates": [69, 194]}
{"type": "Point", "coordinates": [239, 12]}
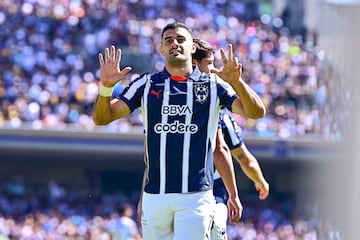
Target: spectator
{"type": "Point", "coordinates": [48, 78]}
{"type": "Point", "coordinates": [77, 217]}
{"type": "Point", "coordinates": [123, 226]}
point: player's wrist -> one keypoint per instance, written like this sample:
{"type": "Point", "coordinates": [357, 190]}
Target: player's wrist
{"type": "Point", "coordinates": [233, 194]}
{"type": "Point", "coordinates": [105, 91]}
{"type": "Point", "coordinates": [236, 82]}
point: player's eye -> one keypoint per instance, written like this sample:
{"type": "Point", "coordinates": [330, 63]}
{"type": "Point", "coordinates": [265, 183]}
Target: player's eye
{"type": "Point", "coordinates": [168, 40]}
{"type": "Point", "coordinates": [180, 39]}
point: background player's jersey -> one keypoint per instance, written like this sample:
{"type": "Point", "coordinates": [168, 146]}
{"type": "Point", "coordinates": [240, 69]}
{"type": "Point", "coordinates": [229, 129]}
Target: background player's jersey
{"type": "Point", "coordinates": [230, 129]}
{"type": "Point", "coordinates": [180, 121]}
{"type": "Point", "coordinates": [231, 132]}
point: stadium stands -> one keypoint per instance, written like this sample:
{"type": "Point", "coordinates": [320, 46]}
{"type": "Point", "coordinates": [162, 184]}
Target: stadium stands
{"type": "Point", "coordinates": [49, 70]}
{"type": "Point", "coordinates": [49, 81]}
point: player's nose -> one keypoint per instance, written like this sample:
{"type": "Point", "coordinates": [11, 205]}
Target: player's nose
{"type": "Point", "coordinates": [174, 44]}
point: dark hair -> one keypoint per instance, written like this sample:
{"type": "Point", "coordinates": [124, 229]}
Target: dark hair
{"type": "Point", "coordinates": [122, 207]}
{"type": "Point", "coordinates": [202, 49]}
{"type": "Point", "coordinates": [174, 25]}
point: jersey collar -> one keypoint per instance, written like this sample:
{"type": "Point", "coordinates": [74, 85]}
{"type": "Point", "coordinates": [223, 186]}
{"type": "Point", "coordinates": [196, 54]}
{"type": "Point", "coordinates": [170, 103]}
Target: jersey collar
{"type": "Point", "coordinates": [195, 75]}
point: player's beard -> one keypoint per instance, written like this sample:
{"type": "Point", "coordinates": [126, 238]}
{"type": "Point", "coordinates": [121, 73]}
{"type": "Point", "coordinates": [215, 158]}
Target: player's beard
{"type": "Point", "coordinates": [177, 61]}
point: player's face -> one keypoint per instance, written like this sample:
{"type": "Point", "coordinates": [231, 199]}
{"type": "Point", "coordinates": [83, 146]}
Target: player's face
{"type": "Point", "coordinates": [206, 64]}
{"type": "Point", "coordinates": [177, 45]}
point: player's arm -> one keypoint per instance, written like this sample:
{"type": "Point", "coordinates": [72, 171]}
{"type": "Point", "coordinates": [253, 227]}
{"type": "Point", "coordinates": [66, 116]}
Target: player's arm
{"type": "Point", "coordinates": [248, 103]}
{"type": "Point", "coordinates": [225, 167]}
{"type": "Point", "coordinates": [105, 109]}
{"type": "Point", "coordinates": [139, 206]}
{"type": "Point", "coordinates": [250, 166]}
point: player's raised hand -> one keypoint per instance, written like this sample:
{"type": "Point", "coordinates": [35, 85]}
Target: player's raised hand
{"type": "Point", "coordinates": [232, 69]}
{"type": "Point", "coordinates": [110, 72]}
{"type": "Point", "coordinates": [235, 209]}
{"type": "Point", "coordinates": [263, 189]}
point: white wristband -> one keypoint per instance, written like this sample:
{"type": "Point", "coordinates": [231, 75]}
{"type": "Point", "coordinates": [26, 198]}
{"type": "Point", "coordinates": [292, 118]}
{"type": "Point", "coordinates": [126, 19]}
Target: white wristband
{"type": "Point", "coordinates": [105, 91]}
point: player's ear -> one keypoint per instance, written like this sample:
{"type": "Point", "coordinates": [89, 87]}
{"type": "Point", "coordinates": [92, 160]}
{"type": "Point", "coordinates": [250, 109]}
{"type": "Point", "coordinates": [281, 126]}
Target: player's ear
{"type": "Point", "coordinates": [193, 48]}
{"type": "Point", "coordinates": [160, 48]}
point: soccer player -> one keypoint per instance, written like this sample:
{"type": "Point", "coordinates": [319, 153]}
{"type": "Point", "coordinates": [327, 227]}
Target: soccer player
{"type": "Point", "coordinates": [180, 107]}
{"type": "Point", "coordinates": [123, 226]}
{"type": "Point", "coordinates": [228, 139]}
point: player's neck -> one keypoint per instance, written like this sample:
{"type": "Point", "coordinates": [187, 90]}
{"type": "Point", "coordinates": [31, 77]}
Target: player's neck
{"type": "Point", "coordinates": [179, 70]}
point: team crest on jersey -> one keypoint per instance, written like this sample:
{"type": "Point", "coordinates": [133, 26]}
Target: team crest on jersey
{"type": "Point", "coordinates": [201, 92]}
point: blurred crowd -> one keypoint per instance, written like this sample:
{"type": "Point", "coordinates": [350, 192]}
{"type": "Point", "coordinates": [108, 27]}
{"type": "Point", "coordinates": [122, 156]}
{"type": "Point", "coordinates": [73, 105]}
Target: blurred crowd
{"type": "Point", "coordinates": [55, 212]}
{"type": "Point", "coordinates": [49, 61]}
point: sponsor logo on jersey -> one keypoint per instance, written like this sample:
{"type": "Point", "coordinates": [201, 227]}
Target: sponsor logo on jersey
{"type": "Point", "coordinates": [177, 91]}
{"type": "Point", "coordinates": [175, 110]}
{"type": "Point", "coordinates": [175, 127]}
{"type": "Point", "coordinates": [156, 93]}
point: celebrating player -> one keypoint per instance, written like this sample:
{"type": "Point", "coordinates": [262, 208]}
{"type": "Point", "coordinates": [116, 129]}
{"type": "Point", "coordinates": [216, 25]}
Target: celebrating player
{"type": "Point", "coordinates": [180, 107]}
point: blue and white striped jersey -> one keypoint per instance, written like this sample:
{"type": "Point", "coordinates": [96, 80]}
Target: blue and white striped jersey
{"type": "Point", "coordinates": [230, 129]}
{"type": "Point", "coordinates": [180, 121]}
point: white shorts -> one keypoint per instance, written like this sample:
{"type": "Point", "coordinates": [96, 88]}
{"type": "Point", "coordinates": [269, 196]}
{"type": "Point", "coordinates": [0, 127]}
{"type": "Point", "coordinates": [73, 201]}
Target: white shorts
{"type": "Point", "coordinates": [177, 215]}
{"type": "Point", "coordinates": [218, 230]}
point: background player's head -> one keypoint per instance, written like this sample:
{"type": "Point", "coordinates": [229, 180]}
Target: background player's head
{"type": "Point", "coordinates": [204, 55]}
{"type": "Point", "coordinates": [125, 209]}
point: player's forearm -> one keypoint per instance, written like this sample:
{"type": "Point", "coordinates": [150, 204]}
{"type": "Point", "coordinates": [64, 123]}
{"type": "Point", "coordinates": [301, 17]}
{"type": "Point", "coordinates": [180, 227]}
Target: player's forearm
{"type": "Point", "coordinates": [248, 164]}
{"type": "Point", "coordinates": [143, 181]}
{"type": "Point", "coordinates": [106, 111]}
{"type": "Point", "coordinates": [249, 101]}
{"type": "Point", "coordinates": [102, 111]}
{"type": "Point", "coordinates": [229, 181]}
{"type": "Point", "coordinates": [224, 164]}
{"type": "Point", "coordinates": [253, 172]}
{"type": "Point", "coordinates": [139, 206]}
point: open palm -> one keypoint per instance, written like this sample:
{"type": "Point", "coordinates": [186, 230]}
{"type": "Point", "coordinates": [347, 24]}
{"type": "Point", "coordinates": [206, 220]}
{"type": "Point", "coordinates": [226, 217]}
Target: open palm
{"type": "Point", "coordinates": [110, 72]}
{"type": "Point", "coordinates": [232, 69]}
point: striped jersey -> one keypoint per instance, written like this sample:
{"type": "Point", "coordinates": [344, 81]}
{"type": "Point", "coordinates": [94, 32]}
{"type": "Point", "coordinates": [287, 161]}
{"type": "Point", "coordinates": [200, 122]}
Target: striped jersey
{"type": "Point", "coordinates": [230, 129]}
{"type": "Point", "coordinates": [180, 121]}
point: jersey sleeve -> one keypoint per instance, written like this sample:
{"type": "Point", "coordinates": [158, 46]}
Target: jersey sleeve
{"type": "Point", "coordinates": [226, 93]}
{"type": "Point", "coordinates": [231, 130]}
{"type": "Point", "coordinates": [133, 93]}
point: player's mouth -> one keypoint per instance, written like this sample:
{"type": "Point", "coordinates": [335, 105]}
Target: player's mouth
{"type": "Point", "coordinates": [174, 52]}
